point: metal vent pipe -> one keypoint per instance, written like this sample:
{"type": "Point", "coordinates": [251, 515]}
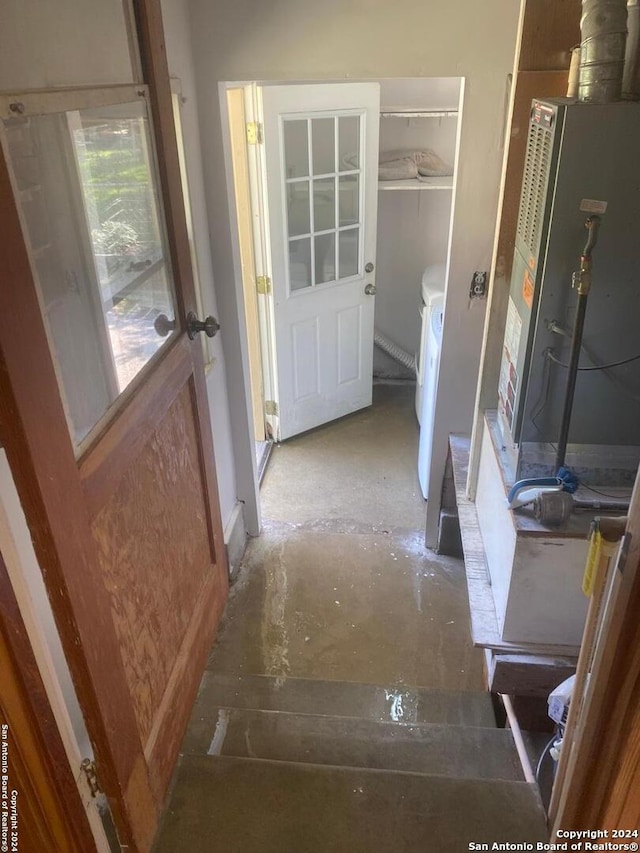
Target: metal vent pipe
{"type": "Point", "coordinates": [604, 33]}
{"type": "Point", "coordinates": [631, 76]}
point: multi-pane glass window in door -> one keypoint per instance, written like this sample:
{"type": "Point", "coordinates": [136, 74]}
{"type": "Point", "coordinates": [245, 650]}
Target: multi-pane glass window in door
{"type": "Point", "coordinates": [323, 198]}
{"type": "Point", "coordinates": [88, 190]}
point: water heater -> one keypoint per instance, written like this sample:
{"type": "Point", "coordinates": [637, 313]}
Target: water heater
{"type": "Point", "coordinates": [581, 159]}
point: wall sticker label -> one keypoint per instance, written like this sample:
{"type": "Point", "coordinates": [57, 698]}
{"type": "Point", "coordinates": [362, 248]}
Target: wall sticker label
{"type": "Point", "coordinates": [592, 205]}
{"type": "Point", "coordinates": [527, 289]}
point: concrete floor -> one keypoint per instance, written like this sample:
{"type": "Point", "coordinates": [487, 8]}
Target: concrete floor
{"type": "Point", "coordinates": [340, 585]}
{"type": "Point", "coordinates": [340, 624]}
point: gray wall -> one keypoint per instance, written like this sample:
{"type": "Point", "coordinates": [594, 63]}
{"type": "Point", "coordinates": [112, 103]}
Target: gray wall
{"type": "Point", "coordinates": [287, 40]}
{"type": "Point", "coordinates": [180, 59]}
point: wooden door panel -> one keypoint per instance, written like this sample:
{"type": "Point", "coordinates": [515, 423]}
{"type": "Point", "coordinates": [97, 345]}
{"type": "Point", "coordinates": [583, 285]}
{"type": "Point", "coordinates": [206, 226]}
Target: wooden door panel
{"type": "Point", "coordinates": [158, 560]}
{"type": "Point", "coordinates": [154, 552]}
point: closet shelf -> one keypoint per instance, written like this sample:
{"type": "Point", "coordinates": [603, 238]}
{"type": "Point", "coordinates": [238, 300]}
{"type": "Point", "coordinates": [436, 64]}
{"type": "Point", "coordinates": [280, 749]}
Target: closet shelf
{"type": "Point", "coordinates": [400, 113]}
{"type": "Point", "coordinates": [443, 183]}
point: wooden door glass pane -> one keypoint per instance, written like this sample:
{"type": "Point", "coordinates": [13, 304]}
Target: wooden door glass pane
{"type": "Point", "coordinates": [88, 191]}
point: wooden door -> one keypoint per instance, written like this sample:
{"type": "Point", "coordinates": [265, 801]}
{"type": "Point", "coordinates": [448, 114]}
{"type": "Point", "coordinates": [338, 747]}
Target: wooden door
{"type": "Point", "coordinates": [321, 167]}
{"type": "Point", "coordinates": [124, 511]}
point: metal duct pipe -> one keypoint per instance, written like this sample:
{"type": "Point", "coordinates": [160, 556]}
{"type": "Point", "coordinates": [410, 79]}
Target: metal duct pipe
{"type": "Point", "coordinates": [387, 345]}
{"type": "Point", "coordinates": [604, 33]}
{"type": "Point", "coordinates": [631, 75]}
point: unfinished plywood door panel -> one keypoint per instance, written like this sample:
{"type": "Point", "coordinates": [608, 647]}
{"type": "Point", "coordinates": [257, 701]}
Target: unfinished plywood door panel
{"type": "Point", "coordinates": [125, 519]}
{"type": "Point", "coordinates": [321, 156]}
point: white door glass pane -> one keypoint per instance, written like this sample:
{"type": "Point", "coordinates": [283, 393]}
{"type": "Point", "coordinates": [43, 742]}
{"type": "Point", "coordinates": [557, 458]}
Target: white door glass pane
{"type": "Point", "coordinates": [298, 214]}
{"type": "Point", "coordinates": [87, 188]}
{"type": "Point", "coordinates": [348, 252]}
{"type": "Point", "coordinates": [349, 193]}
{"type": "Point", "coordinates": [300, 263]}
{"type": "Point", "coordinates": [325, 266]}
{"type": "Point", "coordinates": [349, 142]}
{"type": "Point", "coordinates": [296, 148]}
{"type": "Point", "coordinates": [323, 142]}
{"type": "Point", "coordinates": [324, 204]}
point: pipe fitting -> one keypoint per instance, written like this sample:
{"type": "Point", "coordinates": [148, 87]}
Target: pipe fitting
{"type": "Point", "coordinates": [604, 33]}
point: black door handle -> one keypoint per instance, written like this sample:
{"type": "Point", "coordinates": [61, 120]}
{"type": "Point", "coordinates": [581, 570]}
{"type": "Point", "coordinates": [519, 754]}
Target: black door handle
{"type": "Point", "coordinates": [209, 325]}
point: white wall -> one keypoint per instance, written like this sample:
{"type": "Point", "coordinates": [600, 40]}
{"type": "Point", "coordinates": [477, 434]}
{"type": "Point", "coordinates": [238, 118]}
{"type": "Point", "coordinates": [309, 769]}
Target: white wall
{"type": "Point", "coordinates": [304, 40]}
{"type": "Point", "coordinates": [179, 56]}
{"type": "Point", "coordinates": [66, 43]}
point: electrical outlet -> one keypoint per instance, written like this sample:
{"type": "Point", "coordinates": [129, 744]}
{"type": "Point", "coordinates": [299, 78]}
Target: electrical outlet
{"type": "Point", "coordinates": [478, 285]}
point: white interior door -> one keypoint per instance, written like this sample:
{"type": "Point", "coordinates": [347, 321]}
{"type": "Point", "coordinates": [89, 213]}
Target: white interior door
{"type": "Point", "coordinates": [321, 165]}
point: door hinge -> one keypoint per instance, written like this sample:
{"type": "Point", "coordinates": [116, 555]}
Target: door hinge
{"type": "Point", "coordinates": [263, 284]}
{"type": "Point", "coordinates": [271, 407]}
{"type": "Point", "coordinates": [254, 133]}
{"type": "Point", "coordinates": [88, 767]}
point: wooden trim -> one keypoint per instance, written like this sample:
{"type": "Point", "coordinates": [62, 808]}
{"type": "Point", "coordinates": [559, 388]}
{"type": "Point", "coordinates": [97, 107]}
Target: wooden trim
{"type": "Point", "coordinates": [24, 703]}
{"type": "Point", "coordinates": [52, 101]}
{"type": "Point", "coordinates": [101, 467]}
{"type": "Point", "coordinates": [207, 465]}
{"type": "Point", "coordinates": [551, 28]}
{"type": "Point", "coordinates": [156, 75]}
{"type": "Point", "coordinates": [602, 790]}
{"type": "Point", "coordinates": [34, 432]}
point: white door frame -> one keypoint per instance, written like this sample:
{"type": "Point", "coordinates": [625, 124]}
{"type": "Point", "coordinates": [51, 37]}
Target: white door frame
{"type": "Point", "coordinates": [262, 253]}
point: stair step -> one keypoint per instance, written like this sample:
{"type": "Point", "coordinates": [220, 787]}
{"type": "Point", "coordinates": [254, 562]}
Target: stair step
{"type": "Point", "coordinates": [242, 805]}
{"type": "Point", "coordinates": [461, 751]}
{"type": "Point", "coordinates": [337, 699]}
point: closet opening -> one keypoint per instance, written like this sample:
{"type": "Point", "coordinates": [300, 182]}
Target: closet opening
{"type": "Point", "coordinates": [344, 197]}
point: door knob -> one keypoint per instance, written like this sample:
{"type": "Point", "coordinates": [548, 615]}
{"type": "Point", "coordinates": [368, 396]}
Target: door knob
{"type": "Point", "coordinates": [370, 289]}
{"type": "Point", "coordinates": [369, 267]}
{"type": "Point", "coordinates": [163, 325]}
{"type": "Point", "coordinates": [209, 325]}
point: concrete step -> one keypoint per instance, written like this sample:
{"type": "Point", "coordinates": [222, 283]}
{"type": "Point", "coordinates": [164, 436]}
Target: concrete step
{"type": "Point", "coordinates": [461, 751]}
{"type": "Point", "coordinates": [240, 805]}
{"type": "Point", "coordinates": [397, 704]}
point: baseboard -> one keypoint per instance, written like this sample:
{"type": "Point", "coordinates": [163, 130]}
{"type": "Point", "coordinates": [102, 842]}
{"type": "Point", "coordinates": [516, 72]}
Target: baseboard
{"type": "Point", "coordinates": [235, 539]}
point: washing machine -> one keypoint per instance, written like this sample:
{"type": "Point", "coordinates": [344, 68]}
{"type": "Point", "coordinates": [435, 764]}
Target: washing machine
{"type": "Point", "coordinates": [428, 363]}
